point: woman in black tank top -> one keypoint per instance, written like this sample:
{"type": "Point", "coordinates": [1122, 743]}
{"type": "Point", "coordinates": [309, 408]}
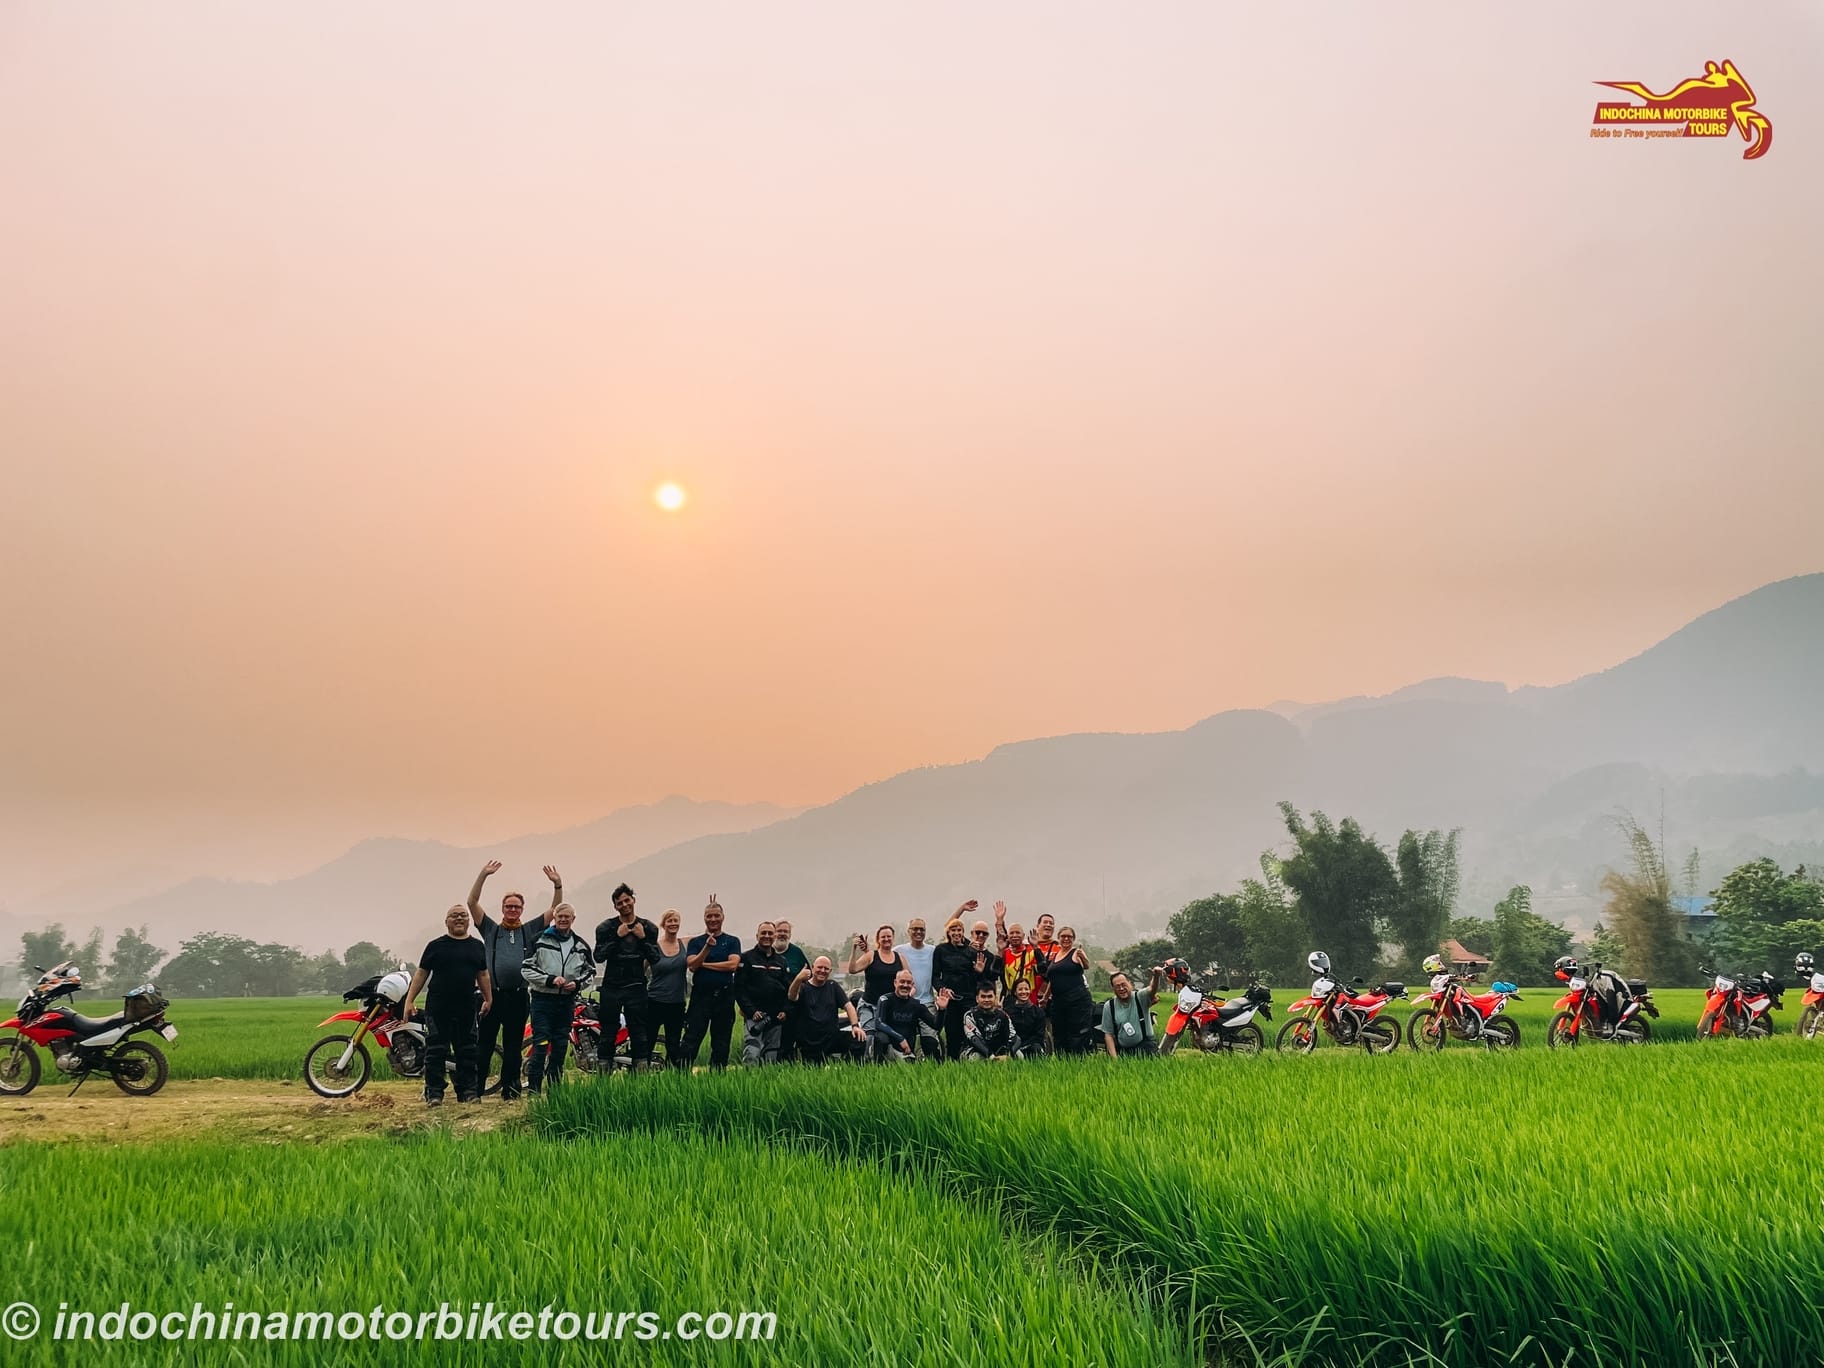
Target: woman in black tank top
{"type": "Point", "coordinates": [878, 967]}
{"type": "Point", "coordinates": [1068, 1005]}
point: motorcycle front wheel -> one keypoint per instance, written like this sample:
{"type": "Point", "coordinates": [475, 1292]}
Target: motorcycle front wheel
{"type": "Point", "coordinates": [1169, 1042]}
{"type": "Point", "coordinates": [1809, 1021]}
{"type": "Point", "coordinates": [19, 1066]}
{"type": "Point", "coordinates": [139, 1068]}
{"type": "Point", "coordinates": [1424, 1030]}
{"type": "Point", "coordinates": [1297, 1036]}
{"type": "Point", "coordinates": [1559, 1035]}
{"type": "Point", "coordinates": [326, 1076]}
{"type": "Point", "coordinates": [587, 1052]}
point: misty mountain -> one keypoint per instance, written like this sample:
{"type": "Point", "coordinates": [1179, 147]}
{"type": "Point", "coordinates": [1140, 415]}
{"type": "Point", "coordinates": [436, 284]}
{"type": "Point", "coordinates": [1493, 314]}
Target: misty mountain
{"type": "Point", "coordinates": [395, 892]}
{"type": "Point", "coordinates": [1719, 722]}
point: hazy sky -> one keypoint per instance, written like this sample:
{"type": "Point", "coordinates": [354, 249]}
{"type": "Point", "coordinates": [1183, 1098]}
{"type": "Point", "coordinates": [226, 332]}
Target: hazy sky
{"type": "Point", "coordinates": [1031, 367]}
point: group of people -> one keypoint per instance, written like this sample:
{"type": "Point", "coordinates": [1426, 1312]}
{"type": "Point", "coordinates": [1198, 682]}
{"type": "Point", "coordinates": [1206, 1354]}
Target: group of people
{"type": "Point", "coordinates": [958, 999]}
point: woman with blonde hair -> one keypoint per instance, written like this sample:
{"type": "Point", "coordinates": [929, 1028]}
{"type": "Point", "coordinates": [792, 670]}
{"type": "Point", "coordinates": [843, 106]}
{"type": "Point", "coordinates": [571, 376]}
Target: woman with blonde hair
{"type": "Point", "coordinates": [666, 990]}
{"type": "Point", "coordinates": [953, 967]}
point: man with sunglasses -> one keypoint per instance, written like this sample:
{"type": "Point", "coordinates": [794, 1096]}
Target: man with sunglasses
{"type": "Point", "coordinates": [507, 942]}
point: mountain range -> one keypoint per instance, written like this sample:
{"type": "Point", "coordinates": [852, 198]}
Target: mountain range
{"type": "Point", "coordinates": [1716, 730]}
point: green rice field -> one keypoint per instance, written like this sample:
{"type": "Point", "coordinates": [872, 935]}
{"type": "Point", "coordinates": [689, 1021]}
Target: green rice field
{"type": "Point", "coordinates": [1537, 1207]}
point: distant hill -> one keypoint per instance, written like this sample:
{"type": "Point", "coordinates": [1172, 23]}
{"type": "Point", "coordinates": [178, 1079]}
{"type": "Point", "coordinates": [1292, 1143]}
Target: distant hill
{"type": "Point", "coordinates": [1720, 723]}
{"type": "Point", "coordinates": [1722, 718]}
{"type": "Point", "coordinates": [395, 892]}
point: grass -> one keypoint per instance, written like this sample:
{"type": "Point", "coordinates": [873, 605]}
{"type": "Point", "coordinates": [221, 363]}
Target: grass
{"type": "Point", "coordinates": [1539, 1207]}
{"type": "Point", "coordinates": [857, 1265]}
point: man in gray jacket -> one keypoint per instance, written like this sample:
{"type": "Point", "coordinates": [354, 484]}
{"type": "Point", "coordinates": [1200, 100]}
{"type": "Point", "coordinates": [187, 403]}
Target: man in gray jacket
{"type": "Point", "coordinates": [558, 968]}
{"type": "Point", "coordinates": [507, 943]}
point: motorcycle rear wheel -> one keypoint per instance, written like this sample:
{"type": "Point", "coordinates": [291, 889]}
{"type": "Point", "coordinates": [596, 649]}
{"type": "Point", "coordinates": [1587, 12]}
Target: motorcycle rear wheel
{"type": "Point", "coordinates": [139, 1068]}
{"type": "Point", "coordinates": [1501, 1034]}
{"type": "Point", "coordinates": [1297, 1036]}
{"type": "Point", "coordinates": [1558, 1035]}
{"type": "Point", "coordinates": [588, 1055]}
{"type": "Point", "coordinates": [1634, 1032]}
{"type": "Point", "coordinates": [1379, 1037]}
{"type": "Point", "coordinates": [336, 1082]}
{"type": "Point", "coordinates": [19, 1066]}
{"type": "Point", "coordinates": [1246, 1039]}
{"type": "Point", "coordinates": [1807, 1028]}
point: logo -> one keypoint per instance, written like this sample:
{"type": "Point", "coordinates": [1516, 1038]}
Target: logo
{"type": "Point", "coordinates": [1707, 106]}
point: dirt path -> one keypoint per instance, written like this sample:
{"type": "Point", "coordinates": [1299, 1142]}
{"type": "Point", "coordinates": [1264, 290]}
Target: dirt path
{"type": "Point", "coordinates": [273, 1113]}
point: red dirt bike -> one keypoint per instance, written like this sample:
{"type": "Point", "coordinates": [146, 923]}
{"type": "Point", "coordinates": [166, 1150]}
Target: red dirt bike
{"type": "Point", "coordinates": [339, 1066]}
{"type": "Point", "coordinates": [1347, 1018]}
{"type": "Point", "coordinates": [585, 1046]}
{"type": "Point", "coordinates": [1454, 1014]}
{"type": "Point", "coordinates": [1601, 1006]}
{"type": "Point", "coordinates": [1740, 1006]}
{"type": "Point", "coordinates": [82, 1046]}
{"type": "Point", "coordinates": [1219, 1025]}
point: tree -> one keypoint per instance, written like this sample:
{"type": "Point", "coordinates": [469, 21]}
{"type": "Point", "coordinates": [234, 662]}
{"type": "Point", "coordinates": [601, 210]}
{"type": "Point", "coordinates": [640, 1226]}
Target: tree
{"type": "Point", "coordinates": [1208, 933]}
{"type": "Point", "coordinates": [1472, 933]}
{"type": "Point", "coordinates": [1142, 955]}
{"type": "Point", "coordinates": [1271, 926]}
{"type": "Point", "coordinates": [1525, 944]}
{"type": "Point", "coordinates": [1342, 882]}
{"type": "Point", "coordinates": [325, 973]}
{"type": "Point", "coordinates": [1605, 946]}
{"type": "Point", "coordinates": [1640, 913]}
{"type": "Point", "coordinates": [135, 957]}
{"type": "Point", "coordinates": [364, 959]}
{"type": "Point", "coordinates": [43, 949]}
{"type": "Point", "coordinates": [1425, 896]}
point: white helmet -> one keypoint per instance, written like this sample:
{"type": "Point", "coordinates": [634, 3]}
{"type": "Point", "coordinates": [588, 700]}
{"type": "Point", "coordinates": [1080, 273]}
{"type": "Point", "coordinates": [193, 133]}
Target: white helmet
{"type": "Point", "coordinates": [1319, 962]}
{"type": "Point", "coordinates": [392, 986]}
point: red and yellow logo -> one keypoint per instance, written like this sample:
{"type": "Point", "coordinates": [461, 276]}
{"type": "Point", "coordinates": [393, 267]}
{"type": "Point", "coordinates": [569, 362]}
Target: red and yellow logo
{"type": "Point", "coordinates": [1706, 106]}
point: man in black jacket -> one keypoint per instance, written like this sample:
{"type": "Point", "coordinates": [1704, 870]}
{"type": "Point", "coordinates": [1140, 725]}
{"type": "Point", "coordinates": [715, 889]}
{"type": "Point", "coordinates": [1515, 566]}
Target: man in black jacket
{"type": "Point", "coordinates": [507, 942]}
{"type": "Point", "coordinates": [625, 946]}
{"type": "Point", "coordinates": [899, 1014]}
{"type": "Point", "coordinates": [762, 992]}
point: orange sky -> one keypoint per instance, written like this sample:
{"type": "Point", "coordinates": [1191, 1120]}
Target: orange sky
{"type": "Point", "coordinates": [1032, 368]}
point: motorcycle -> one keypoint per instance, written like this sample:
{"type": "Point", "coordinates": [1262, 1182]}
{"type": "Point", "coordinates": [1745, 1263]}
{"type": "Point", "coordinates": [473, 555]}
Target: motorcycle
{"type": "Point", "coordinates": [1347, 1018]}
{"type": "Point", "coordinates": [1741, 1007]}
{"type": "Point", "coordinates": [1225, 1025]}
{"type": "Point", "coordinates": [1811, 1011]}
{"type": "Point", "coordinates": [1616, 1012]}
{"type": "Point", "coordinates": [1454, 1012]}
{"type": "Point", "coordinates": [585, 1046]}
{"type": "Point", "coordinates": [82, 1046]}
{"type": "Point", "coordinates": [339, 1066]}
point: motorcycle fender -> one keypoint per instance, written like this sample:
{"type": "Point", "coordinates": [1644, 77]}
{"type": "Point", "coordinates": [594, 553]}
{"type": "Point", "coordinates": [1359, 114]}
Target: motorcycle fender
{"type": "Point", "coordinates": [342, 1016]}
{"type": "Point", "coordinates": [1303, 1003]}
{"type": "Point", "coordinates": [1563, 1003]}
{"type": "Point", "coordinates": [14, 1025]}
{"type": "Point", "coordinates": [1177, 1023]}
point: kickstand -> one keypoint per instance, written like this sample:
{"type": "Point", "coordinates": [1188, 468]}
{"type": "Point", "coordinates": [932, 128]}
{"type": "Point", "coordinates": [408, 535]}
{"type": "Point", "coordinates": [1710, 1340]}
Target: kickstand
{"type": "Point", "coordinates": [79, 1082]}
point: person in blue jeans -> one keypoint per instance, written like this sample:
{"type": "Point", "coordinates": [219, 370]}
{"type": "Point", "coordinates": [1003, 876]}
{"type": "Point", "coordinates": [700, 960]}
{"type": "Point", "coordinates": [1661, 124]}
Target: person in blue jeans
{"type": "Point", "coordinates": [558, 968]}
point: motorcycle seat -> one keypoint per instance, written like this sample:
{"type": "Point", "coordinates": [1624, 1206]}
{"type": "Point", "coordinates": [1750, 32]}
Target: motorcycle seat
{"type": "Point", "coordinates": [88, 1026]}
{"type": "Point", "coordinates": [1228, 1011]}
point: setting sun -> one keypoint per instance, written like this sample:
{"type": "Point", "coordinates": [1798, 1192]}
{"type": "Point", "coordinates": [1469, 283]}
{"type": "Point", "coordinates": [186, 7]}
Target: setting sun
{"type": "Point", "coordinates": [669, 497]}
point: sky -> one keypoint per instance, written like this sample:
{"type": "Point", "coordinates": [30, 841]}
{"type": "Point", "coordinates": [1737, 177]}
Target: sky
{"type": "Point", "coordinates": [1030, 368]}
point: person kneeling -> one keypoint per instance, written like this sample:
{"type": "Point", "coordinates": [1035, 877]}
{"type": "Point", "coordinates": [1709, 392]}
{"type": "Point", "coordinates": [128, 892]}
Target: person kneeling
{"type": "Point", "coordinates": [1127, 1019]}
{"type": "Point", "coordinates": [987, 1030]}
{"type": "Point", "coordinates": [898, 1016]}
{"type": "Point", "coordinates": [815, 1017]}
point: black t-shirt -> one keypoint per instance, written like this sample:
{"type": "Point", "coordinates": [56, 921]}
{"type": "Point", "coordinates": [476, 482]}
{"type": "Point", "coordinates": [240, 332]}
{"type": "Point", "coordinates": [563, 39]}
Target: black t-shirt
{"type": "Point", "coordinates": [819, 1009]}
{"type": "Point", "coordinates": [452, 965]}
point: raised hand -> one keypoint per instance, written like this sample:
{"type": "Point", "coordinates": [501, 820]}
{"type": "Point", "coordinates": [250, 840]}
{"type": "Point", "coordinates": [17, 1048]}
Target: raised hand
{"type": "Point", "coordinates": [804, 976]}
{"type": "Point", "coordinates": [491, 867]}
{"type": "Point", "coordinates": [1000, 910]}
{"type": "Point", "coordinates": [552, 874]}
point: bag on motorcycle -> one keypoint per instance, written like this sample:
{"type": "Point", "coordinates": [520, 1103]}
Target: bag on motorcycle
{"type": "Point", "coordinates": [144, 1003]}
